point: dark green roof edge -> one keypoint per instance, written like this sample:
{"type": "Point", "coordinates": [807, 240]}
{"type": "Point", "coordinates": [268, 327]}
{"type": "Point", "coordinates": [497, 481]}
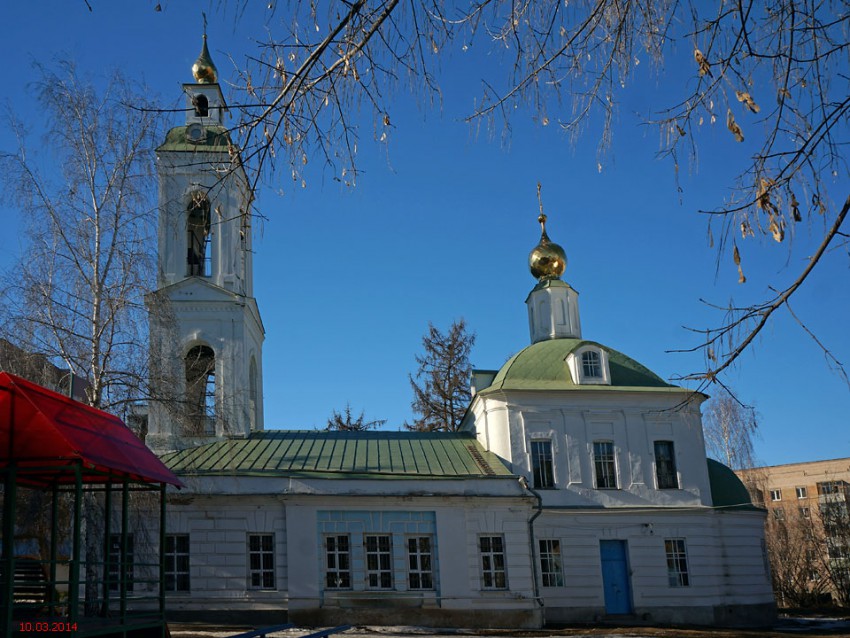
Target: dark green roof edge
{"type": "Point", "coordinates": [217, 138]}
{"type": "Point", "coordinates": [727, 490]}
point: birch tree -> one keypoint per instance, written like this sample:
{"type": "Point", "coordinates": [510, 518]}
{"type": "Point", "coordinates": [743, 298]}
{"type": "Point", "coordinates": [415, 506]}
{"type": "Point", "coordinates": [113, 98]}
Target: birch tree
{"type": "Point", "coordinates": [729, 427]}
{"type": "Point", "coordinates": [86, 198]}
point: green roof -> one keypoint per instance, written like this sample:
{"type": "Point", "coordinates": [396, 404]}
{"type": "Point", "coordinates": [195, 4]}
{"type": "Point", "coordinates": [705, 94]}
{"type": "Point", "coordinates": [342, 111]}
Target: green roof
{"type": "Point", "coordinates": [543, 366]}
{"type": "Point", "coordinates": [216, 138]}
{"type": "Point", "coordinates": [727, 490]}
{"type": "Point", "coordinates": [322, 454]}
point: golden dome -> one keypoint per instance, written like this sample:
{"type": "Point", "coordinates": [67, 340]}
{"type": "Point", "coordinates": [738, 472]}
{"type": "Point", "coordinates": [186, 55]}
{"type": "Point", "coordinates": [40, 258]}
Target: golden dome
{"type": "Point", "coordinates": [204, 69]}
{"type": "Point", "coordinates": [548, 260]}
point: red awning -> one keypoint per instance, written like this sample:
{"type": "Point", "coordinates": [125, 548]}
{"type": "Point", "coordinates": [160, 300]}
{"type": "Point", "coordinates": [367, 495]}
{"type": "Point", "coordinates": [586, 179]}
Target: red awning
{"type": "Point", "coordinates": [40, 428]}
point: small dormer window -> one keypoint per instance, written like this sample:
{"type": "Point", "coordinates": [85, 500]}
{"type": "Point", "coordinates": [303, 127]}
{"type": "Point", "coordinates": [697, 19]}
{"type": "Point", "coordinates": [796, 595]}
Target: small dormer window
{"type": "Point", "coordinates": [589, 366]}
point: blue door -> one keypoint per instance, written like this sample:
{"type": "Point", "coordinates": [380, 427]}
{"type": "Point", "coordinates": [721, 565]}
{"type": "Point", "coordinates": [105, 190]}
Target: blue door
{"type": "Point", "coordinates": [615, 577]}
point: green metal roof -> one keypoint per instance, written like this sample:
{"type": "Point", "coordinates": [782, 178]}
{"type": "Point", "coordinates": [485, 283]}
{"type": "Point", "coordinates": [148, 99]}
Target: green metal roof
{"type": "Point", "coordinates": [727, 490]}
{"type": "Point", "coordinates": [321, 454]}
{"type": "Point", "coordinates": [216, 138]}
{"type": "Point", "coordinates": [543, 366]}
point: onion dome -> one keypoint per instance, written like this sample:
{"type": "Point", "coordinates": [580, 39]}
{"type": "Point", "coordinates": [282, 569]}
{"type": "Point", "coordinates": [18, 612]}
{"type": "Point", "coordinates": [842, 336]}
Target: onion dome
{"type": "Point", "coordinates": [548, 260]}
{"type": "Point", "coordinates": [204, 69]}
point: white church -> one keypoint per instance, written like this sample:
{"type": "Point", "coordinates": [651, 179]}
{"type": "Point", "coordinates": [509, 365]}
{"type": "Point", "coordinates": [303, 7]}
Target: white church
{"type": "Point", "coordinates": [577, 489]}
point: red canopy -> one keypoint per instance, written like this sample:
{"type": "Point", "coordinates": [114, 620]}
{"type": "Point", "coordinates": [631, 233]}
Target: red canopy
{"type": "Point", "coordinates": [40, 428]}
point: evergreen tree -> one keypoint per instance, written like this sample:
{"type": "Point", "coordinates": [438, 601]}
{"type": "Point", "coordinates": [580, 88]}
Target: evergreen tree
{"type": "Point", "coordinates": [441, 385]}
{"type": "Point", "coordinates": [346, 423]}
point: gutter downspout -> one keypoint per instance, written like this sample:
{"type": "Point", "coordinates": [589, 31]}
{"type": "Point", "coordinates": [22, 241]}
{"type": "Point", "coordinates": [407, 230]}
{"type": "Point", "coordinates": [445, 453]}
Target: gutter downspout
{"type": "Point", "coordinates": [524, 484]}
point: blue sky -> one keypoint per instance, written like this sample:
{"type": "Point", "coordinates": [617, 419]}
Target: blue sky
{"type": "Point", "coordinates": [442, 219]}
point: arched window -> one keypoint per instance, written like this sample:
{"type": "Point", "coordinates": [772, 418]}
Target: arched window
{"type": "Point", "coordinates": [198, 231]}
{"type": "Point", "coordinates": [202, 105]}
{"type": "Point", "coordinates": [591, 365]}
{"type": "Point", "coordinates": [200, 390]}
{"type": "Point", "coordinates": [253, 393]}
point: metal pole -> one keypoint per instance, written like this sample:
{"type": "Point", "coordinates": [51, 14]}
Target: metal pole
{"type": "Point", "coordinates": [107, 546]}
{"type": "Point", "coordinates": [125, 559]}
{"type": "Point", "coordinates": [162, 488]}
{"type": "Point", "coordinates": [54, 548]}
{"type": "Point", "coordinates": [74, 585]}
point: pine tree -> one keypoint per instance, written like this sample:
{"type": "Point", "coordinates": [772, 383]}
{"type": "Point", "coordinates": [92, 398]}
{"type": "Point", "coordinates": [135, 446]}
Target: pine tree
{"type": "Point", "coordinates": [441, 385]}
{"type": "Point", "coordinates": [346, 423]}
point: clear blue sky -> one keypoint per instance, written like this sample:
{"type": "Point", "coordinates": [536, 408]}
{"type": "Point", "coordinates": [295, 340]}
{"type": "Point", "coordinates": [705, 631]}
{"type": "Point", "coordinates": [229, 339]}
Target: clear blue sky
{"type": "Point", "coordinates": [441, 223]}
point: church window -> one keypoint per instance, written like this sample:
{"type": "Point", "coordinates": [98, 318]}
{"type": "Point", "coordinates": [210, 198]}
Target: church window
{"type": "Point", "coordinates": [338, 557]}
{"type": "Point", "coordinates": [176, 557]}
{"type": "Point", "coordinates": [665, 466]}
{"type": "Point", "coordinates": [202, 105]}
{"type": "Point", "coordinates": [198, 235]}
{"type": "Point", "coordinates": [261, 561]}
{"type": "Point", "coordinates": [541, 464]}
{"type": "Point", "coordinates": [379, 561]}
{"type": "Point", "coordinates": [605, 465]}
{"type": "Point", "coordinates": [551, 568]}
{"type": "Point", "coordinates": [420, 572]}
{"type": "Point", "coordinates": [677, 562]}
{"type": "Point", "coordinates": [200, 390]}
{"type": "Point", "coordinates": [591, 366]}
{"type": "Point", "coordinates": [121, 566]}
{"type": "Point", "coordinates": [493, 574]}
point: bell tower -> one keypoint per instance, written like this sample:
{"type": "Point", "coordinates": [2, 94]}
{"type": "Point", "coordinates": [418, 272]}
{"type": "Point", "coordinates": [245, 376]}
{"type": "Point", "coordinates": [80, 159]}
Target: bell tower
{"type": "Point", "coordinates": [205, 328]}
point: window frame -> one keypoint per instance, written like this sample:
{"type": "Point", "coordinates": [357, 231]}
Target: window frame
{"type": "Point", "coordinates": [493, 562]}
{"type": "Point", "coordinates": [378, 551]}
{"type": "Point", "coordinates": [545, 473]}
{"type": "Point", "coordinates": [420, 577]}
{"type": "Point", "coordinates": [676, 553]}
{"type": "Point", "coordinates": [776, 494]}
{"type": "Point", "coordinates": [551, 562]}
{"type": "Point", "coordinates": [802, 492]}
{"type": "Point", "coordinates": [343, 574]}
{"type": "Point", "coordinates": [181, 578]}
{"type": "Point", "coordinates": [263, 569]}
{"type": "Point", "coordinates": [671, 474]}
{"type": "Point", "coordinates": [605, 466]}
{"type": "Point", "coordinates": [576, 364]}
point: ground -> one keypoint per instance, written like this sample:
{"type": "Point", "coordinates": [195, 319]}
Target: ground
{"type": "Point", "coordinates": [785, 628]}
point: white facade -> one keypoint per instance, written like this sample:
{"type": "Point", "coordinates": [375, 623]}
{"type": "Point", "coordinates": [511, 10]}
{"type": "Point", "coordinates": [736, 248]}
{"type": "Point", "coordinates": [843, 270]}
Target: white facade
{"type": "Point", "coordinates": [578, 489]}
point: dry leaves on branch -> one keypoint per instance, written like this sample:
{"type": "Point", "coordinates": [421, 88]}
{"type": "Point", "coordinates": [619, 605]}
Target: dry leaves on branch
{"type": "Point", "coordinates": [732, 125]}
{"type": "Point", "coordinates": [737, 257]}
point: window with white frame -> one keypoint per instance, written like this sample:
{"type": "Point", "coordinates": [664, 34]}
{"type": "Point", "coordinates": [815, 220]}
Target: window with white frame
{"type": "Point", "coordinates": [665, 466]}
{"type": "Point", "coordinates": [379, 561]}
{"type": "Point", "coordinates": [775, 495]}
{"type": "Point", "coordinates": [551, 568]}
{"type": "Point", "coordinates": [805, 512]}
{"type": "Point", "coordinates": [420, 572]}
{"type": "Point", "coordinates": [802, 492]}
{"type": "Point", "coordinates": [604, 465]}
{"type": "Point", "coordinates": [677, 562]}
{"type": "Point", "coordinates": [338, 562]}
{"type": "Point", "coordinates": [261, 561]}
{"type": "Point", "coordinates": [591, 364]}
{"type": "Point", "coordinates": [176, 557]}
{"type": "Point", "coordinates": [541, 464]}
{"type": "Point", "coordinates": [779, 514]}
{"type": "Point", "coordinates": [493, 574]}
